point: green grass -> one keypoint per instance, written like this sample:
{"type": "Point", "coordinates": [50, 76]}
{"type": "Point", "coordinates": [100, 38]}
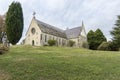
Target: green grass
{"type": "Point", "coordinates": [57, 63]}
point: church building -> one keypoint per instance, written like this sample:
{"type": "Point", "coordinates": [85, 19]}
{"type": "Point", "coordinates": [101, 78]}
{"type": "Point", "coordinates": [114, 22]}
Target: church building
{"type": "Point", "coordinates": [39, 33]}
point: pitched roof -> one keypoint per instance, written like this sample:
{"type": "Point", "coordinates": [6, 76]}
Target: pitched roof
{"type": "Point", "coordinates": [69, 33]}
{"type": "Point", "coordinates": [46, 28]}
{"type": "Point", "coordinates": [73, 33]}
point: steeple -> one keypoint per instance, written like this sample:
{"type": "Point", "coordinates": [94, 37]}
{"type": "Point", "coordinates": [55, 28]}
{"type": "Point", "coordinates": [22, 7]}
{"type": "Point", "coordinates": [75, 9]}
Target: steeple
{"type": "Point", "coordinates": [82, 24]}
{"type": "Point", "coordinates": [83, 33]}
{"type": "Point", "coordinates": [67, 28]}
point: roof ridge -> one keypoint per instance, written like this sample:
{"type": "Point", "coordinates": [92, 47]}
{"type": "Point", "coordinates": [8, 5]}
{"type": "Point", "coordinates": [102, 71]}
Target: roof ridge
{"type": "Point", "coordinates": [75, 27]}
{"type": "Point", "coordinates": [50, 26]}
{"type": "Point", "coordinates": [51, 29]}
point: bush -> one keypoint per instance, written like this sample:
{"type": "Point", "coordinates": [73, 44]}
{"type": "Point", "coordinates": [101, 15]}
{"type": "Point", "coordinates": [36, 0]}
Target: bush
{"type": "Point", "coordinates": [71, 43]}
{"type": "Point", "coordinates": [45, 45]}
{"type": "Point", "coordinates": [105, 46]}
{"type": "Point", "coordinates": [3, 50]}
{"type": "Point", "coordinates": [119, 49]}
{"type": "Point", "coordinates": [114, 46]}
{"type": "Point", "coordinates": [51, 42]}
{"type": "Point", "coordinates": [85, 45]}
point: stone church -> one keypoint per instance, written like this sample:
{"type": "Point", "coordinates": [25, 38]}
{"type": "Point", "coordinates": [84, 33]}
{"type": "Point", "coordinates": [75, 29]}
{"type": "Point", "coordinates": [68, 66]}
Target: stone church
{"type": "Point", "coordinates": [39, 33]}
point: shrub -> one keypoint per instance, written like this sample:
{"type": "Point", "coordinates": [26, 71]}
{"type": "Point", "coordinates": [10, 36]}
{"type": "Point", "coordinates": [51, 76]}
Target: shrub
{"type": "Point", "coordinates": [71, 43]}
{"type": "Point", "coordinates": [85, 45]}
{"type": "Point", "coordinates": [105, 46]}
{"type": "Point", "coordinates": [119, 49]}
{"type": "Point", "coordinates": [114, 46]}
{"type": "Point", "coordinates": [45, 45]}
{"type": "Point", "coordinates": [51, 42]}
{"type": "Point", "coordinates": [3, 50]}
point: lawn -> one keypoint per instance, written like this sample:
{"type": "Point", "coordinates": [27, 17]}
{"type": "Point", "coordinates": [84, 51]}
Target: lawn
{"type": "Point", "coordinates": [58, 63]}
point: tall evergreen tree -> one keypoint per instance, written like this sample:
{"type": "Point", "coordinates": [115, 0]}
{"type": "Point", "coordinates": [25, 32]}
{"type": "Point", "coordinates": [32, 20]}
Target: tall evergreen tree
{"type": "Point", "coordinates": [116, 35]}
{"type": "Point", "coordinates": [99, 38]}
{"type": "Point", "coordinates": [95, 39]}
{"type": "Point", "coordinates": [91, 38]}
{"type": "Point", "coordinates": [14, 22]}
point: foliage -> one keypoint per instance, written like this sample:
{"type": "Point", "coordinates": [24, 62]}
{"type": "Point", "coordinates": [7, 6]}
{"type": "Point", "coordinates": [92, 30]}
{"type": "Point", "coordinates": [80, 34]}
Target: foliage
{"type": "Point", "coordinates": [2, 27]}
{"type": "Point", "coordinates": [113, 46]}
{"type": "Point", "coordinates": [52, 42]}
{"type": "Point", "coordinates": [71, 43]}
{"type": "Point", "coordinates": [3, 49]}
{"type": "Point", "coordinates": [95, 39]}
{"type": "Point", "coordinates": [91, 38]}
{"type": "Point", "coordinates": [99, 37]}
{"type": "Point", "coordinates": [14, 22]}
{"type": "Point", "coordinates": [105, 46]}
{"type": "Point", "coordinates": [116, 35]}
{"type": "Point", "coordinates": [85, 45]}
{"type": "Point", "coordinates": [59, 63]}
{"type": "Point", "coordinates": [1, 23]}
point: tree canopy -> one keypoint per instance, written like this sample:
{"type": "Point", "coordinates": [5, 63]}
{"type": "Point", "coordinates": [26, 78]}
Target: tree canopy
{"type": "Point", "coordinates": [116, 34]}
{"type": "Point", "coordinates": [90, 38]}
{"type": "Point", "coordinates": [14, 22]}
{"type": "Point", "coordinates": [95, 38]}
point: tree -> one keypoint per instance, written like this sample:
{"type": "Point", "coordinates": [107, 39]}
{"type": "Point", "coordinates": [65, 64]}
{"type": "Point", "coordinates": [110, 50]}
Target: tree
{"type": "Point", "coordinates": [2, 26]}
{"type": "Point", "coordinates": [95, 39]}
{"type": "Point", "coordinates": [91, 38]}
{"type": "Point", "coordinates": [116, 35]}
{"type": "Point", "coordinates": [14, 22]}
{"type": "Point", "coordinates": [99, 38]}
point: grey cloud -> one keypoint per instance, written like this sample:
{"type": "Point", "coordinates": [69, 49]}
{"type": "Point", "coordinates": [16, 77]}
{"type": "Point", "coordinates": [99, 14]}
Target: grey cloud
{"type": "Point", "coordinates": [70, 13]}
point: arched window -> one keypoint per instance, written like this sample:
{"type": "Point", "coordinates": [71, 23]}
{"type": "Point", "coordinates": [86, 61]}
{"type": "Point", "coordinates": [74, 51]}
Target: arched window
{"type": "Point", "coordinates": [41, 37]}
{"type": "Point", "coordinates": [45, 38]}
{"type": "Point", "coordinates": [59, 41]}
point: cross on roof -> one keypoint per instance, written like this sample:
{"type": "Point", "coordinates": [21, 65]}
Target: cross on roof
{"type": "Point", "coordinates": [34, 13]}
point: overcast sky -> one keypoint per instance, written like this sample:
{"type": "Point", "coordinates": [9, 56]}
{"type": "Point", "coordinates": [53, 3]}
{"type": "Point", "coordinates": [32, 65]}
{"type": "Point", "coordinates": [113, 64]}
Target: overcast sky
{"type": "Point", "coordinates": [70, 13]}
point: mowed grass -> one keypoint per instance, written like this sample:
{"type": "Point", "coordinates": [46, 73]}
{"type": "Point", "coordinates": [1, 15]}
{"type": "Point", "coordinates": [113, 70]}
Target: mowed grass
{"type": "Point", "coordinates": [59, 63]}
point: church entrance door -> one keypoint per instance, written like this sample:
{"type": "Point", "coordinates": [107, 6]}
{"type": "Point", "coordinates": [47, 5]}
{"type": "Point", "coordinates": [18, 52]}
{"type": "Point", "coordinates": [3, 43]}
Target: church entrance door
{"type": "Point", "coordinates": [33, 43]}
